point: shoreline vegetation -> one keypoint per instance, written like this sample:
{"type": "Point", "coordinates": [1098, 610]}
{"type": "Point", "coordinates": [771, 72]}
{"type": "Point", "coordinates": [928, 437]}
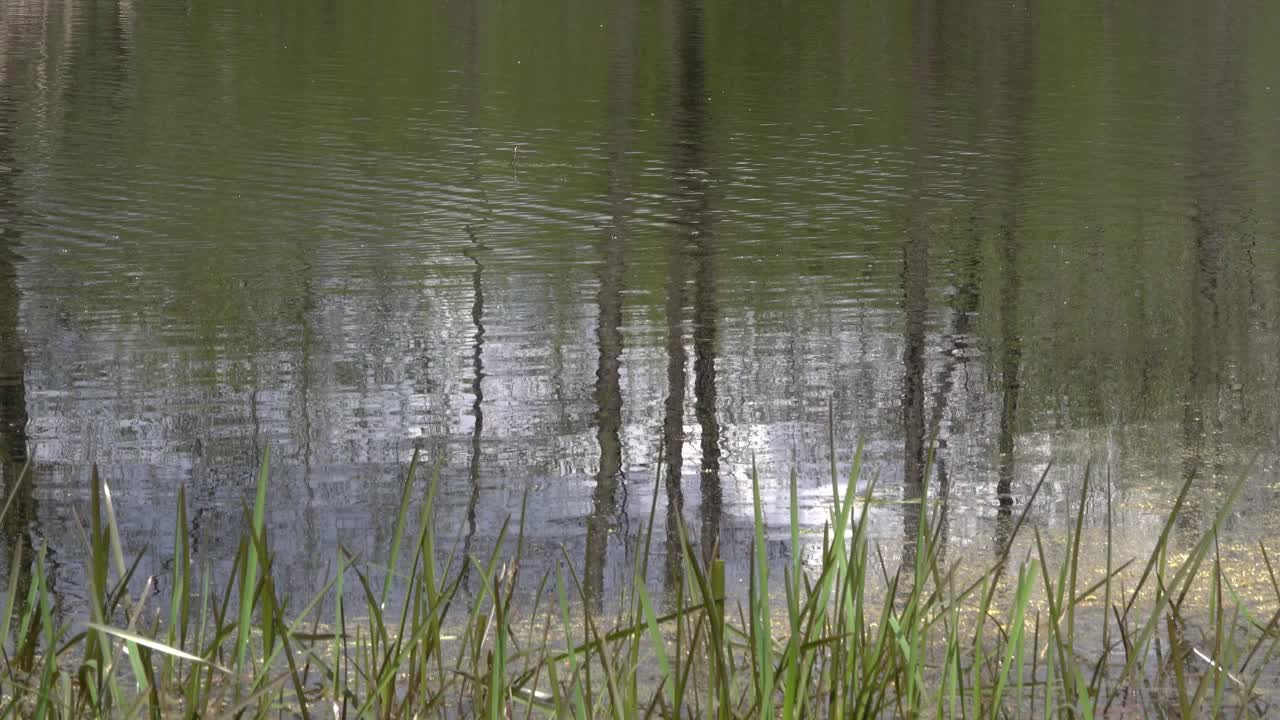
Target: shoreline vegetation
{"type": "Point", "coordinates": [1163, 635]}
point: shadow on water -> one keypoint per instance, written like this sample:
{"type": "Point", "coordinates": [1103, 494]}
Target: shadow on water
{"type": "Point", "coordinates": [608, 388]}
{"type": "Point", "coordinates": [692, 241]}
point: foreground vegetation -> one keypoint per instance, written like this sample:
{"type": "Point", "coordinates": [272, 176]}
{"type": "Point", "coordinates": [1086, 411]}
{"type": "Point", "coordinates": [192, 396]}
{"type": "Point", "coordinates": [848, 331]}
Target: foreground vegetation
{"type": "Point", "coordinates": [818, 643]}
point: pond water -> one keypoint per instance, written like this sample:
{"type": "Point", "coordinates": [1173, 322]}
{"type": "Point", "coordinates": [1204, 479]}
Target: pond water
{"type": "Point", "coordinates": [538, 241]}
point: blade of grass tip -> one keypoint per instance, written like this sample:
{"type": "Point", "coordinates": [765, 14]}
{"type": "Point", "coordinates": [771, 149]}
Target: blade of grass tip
{"type": "Point", "coordinates": [1100, 668]}
{"type": "Point", "coordinates": [99, 544]}
{"type": "Point", "coordinates": [842, 511]}
{"type": "Point", "coordinates": [270, 610]}
{"type": "Point", "coordinates": [427, 548]}
{"type": "Point", "coordinates": [398, 534]}
{"type": "Point", "coordinates": [793, 582]}
{"type": "Point", "coordinates": [831, 449]}
{"type": "Point", "coordinates": [760, 618]}
{"type": "Point", "coordinates": [113, 530]}
{"type": "Point", "coordinates": [794, 516]}
{"type": "Point", "coordinates": [97, 645]}
{"type": "Point", "coordinates": [524, 507]}
{"type": "Point", "coordinates": [853, 568]}
{"type": "Point", "coordinates": [1073, 563]}
{"type": "Point", "coordinates": [338, 689]}
{"type": "Point", "coordinates": [250, 583]}
{"type": "Point", "coordinates": [157, 646]}
{"type": "Point", "coordinates": [178, 599]}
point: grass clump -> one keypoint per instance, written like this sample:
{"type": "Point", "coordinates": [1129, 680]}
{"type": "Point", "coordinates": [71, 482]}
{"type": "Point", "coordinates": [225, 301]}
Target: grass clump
{"type": "Point", "coordinates": [847, 636]}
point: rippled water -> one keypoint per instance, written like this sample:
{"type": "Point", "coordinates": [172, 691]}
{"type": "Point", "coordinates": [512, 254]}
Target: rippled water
{"type": "Point", "coordinates": [535, 240]}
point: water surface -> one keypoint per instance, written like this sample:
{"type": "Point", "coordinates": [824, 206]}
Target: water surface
{"type": "Point", "coordinates": [538, 241]}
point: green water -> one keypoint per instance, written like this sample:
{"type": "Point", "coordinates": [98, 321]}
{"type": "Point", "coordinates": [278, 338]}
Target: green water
{"type": "Point", "coordinates": [538, 240]}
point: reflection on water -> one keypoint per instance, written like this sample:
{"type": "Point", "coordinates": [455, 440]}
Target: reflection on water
{"type": "Point", "coordinates": [693, 231]}
{"type": "Point", "coordinates": [539, 242]}
{"type": "Point", "coordinates": [610, 476]}
{"type": "Point", "coordinates": [1018, 40]}
{"type": "Point", "coordinates": [1217, 94]}
{"type": "Point", "coordinates": [915, 275]}
{"type": "Point", "coordinates": [18, 499]}
{"type": "Point", "coordinates": [477, 392]}
{"type": "Point", "coordinates": [472, 252]}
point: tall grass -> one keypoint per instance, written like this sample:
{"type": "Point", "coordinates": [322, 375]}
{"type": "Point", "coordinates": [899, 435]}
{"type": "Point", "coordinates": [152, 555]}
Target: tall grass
{"type": "Point", "coordinates": [846, 636]}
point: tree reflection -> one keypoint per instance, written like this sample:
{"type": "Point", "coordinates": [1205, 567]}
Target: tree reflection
{"type": "Point", "coordinates": [471, 72]}
{"type": "Point", "coordinates": [608, 390]}
{"type": "Point", "coordinates": [1216, 159]}
{"type": "Point", "coordinates": [17, 489]}
{"type": "Point", "coordinates": [964, 307]}
{"type": "Point", "coordinates": [915, 275]}
{"type": "Point", "coordinates": [1017, 86]}
{"type": "Point", "coordinates": [1010, 385]}
{"type": "Point", "coordinates": [691, 241]}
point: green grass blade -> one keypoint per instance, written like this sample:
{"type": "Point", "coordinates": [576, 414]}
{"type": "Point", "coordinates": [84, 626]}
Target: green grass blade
{"type": "Point", "coordinates": [250, 582]}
